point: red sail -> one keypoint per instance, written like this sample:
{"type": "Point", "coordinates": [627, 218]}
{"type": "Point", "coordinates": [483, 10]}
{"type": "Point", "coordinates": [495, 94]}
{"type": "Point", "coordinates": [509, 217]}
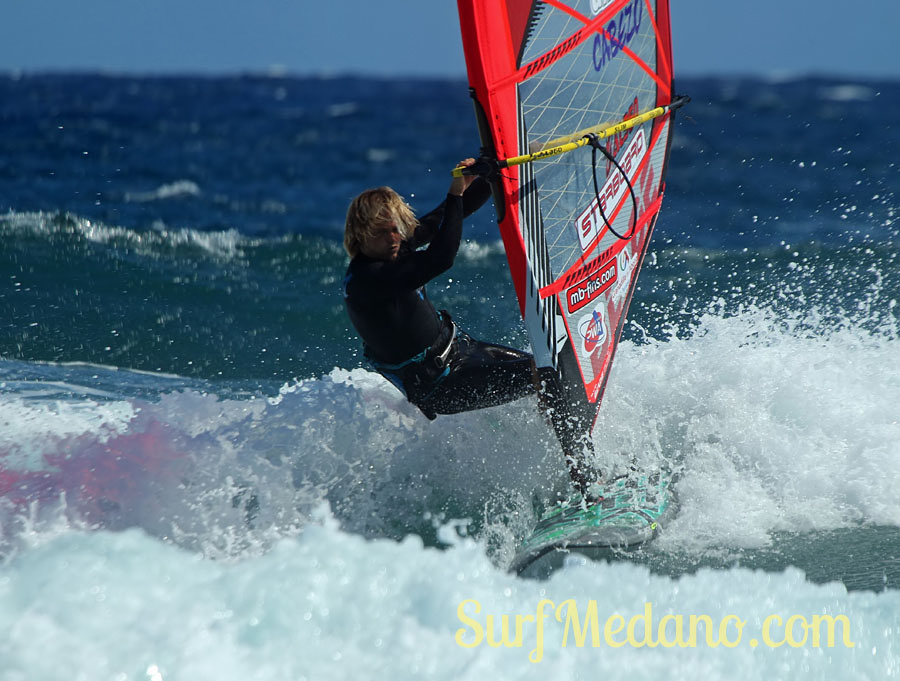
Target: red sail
{"type": "Point", "coordinates": [575, 225]}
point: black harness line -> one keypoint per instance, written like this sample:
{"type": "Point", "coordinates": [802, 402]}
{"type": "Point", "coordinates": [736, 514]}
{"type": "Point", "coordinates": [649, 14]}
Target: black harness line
{"type": "Point", "coordinates": [595, 145]}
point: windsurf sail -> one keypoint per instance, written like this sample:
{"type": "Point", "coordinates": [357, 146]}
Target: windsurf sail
{"type": "Point", "coordinates": [574, 103]}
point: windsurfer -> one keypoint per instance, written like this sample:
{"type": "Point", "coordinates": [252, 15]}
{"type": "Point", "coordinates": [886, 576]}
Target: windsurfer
{"type": "Point", "coordinates": [437, 365]}
{"type": "Point", "coordinates": [440, 368]}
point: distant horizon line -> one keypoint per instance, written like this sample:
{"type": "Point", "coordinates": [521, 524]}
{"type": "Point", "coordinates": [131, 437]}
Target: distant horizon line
{"type": "Point", "coordinates": [278, 71]}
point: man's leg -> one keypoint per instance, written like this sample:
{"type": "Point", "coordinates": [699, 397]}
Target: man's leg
{"type": "Point", "coordinates": [481, 375]}
{"type": "Point", "coordinates": [486, 375]}
{"type": "Point", "coordinates": [571, 431]}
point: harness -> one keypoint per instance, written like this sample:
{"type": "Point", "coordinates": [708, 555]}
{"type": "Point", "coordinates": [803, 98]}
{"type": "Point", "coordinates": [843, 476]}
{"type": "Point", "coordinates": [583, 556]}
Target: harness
{"type": "Point", "coordinates": [422, 373]}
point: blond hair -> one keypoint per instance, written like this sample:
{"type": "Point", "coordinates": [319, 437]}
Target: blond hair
{"type": "Point", "coordinates": [374, 207]}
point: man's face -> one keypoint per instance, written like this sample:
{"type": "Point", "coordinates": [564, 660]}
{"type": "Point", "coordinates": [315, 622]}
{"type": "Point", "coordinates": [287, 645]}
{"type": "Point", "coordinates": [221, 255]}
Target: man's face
{"type": "Point", "coordinates": [384, 243]}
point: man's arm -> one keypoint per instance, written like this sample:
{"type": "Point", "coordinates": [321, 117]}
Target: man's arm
{"type": "Point", "coordinates": [473, 198]}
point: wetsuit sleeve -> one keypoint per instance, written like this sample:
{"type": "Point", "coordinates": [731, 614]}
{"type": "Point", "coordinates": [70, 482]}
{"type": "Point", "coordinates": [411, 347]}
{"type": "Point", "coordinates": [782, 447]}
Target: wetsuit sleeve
{"type": "Point", "coordinates": [473, 199]}
{"type": "Point", "coordinates": [476, 196]}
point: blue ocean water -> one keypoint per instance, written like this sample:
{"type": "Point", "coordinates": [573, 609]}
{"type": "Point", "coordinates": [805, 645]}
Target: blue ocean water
{"type": "Point", "coordinates": [200, 478]}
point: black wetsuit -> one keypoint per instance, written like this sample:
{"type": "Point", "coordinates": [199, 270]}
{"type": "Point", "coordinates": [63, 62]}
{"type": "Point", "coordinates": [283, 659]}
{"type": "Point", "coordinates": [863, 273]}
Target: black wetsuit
{"type": "Point", "coordinates": [441, 369]}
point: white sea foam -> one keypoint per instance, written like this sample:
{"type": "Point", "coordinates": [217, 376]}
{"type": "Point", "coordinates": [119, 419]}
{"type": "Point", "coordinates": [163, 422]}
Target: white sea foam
{"type": "Point", "coordinates": [328, 604]}
{"type": "Point", "coordinates": [774, 429]}
{"type": "Point", "coordinates": [770, 428]}
{"type": "Point", "coordinates": [223, 243]}
{"type": "Point", "coordinates": [33, 427]}
{"type": "Point", "coordinates": [178, 189]}
{"type": "Point", "coordinates": [850, 92]}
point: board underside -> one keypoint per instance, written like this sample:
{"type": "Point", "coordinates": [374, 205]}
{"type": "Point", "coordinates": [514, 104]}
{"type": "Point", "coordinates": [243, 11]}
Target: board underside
{"type": "Point", "coordinates": [630, 512]}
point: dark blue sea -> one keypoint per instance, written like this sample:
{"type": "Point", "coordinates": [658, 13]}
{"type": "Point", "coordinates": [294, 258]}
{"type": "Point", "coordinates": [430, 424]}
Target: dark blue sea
{"type": "Point", "coordinates": [200, 478]}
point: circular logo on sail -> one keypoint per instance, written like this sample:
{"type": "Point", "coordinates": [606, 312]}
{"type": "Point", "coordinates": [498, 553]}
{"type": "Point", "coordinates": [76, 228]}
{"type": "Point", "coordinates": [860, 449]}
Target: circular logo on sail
{"type": "Point", "coordinates": [592, 330]}
{"type": "Point", "coordinates": [624, 260]}
{"type": "Point", "coordinates": [598, 6]}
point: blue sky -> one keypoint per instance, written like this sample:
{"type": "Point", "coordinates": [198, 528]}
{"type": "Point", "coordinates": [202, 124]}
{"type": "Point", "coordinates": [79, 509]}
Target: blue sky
{"type": "Point", "coordinates": [420, 37]}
